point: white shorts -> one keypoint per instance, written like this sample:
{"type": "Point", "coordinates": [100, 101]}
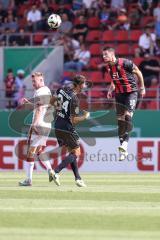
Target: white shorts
{"type": "Point", "coordinates": [40, 140]}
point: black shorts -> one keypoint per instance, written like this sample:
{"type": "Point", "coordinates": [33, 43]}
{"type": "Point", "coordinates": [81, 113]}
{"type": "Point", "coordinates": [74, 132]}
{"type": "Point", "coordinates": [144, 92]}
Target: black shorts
{"type": "Point", "coordinates": [126, 102]}
{"type": "Point", "coordinates": [67, 138]}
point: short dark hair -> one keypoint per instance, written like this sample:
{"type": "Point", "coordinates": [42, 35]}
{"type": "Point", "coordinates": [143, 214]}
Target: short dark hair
{"type": "Point", "coordinates": [108, 48]}
{"type": "Point", "coordinates": [78, 79]}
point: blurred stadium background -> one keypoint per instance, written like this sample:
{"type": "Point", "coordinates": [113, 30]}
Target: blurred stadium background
{"type": "Point", "coordinates": [120, 206]}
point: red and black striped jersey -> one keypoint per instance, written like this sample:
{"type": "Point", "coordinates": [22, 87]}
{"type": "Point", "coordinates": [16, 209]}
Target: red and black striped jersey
{"type": "Point", "coordinates": [122, 75]}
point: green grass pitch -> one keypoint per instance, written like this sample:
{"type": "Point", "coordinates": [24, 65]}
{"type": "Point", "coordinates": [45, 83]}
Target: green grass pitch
{"type": "Point", "coordinates": [113, 206]}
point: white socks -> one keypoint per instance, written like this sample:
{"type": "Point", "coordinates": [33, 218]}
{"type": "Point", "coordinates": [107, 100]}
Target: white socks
{"type": "Point", "coordinates": [29, 169]}
{"type": "Point", "coordinates": [43, 158]}
{"type": "Point", "coordinates": [125, 145]}
{"type": "Point", "coordinates": [29, 166]}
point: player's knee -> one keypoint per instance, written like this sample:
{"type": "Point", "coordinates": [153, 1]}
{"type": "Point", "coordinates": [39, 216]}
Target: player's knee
{"type": "Point", "coordinates": [31, 152]}
{"type": "Point", "coordinates": [40, 150]}
{"type": "Point", "coordinates": [76, 152]}
{"type": "Point", "coordinates": [30, 156]}
{"type": "Point", "coordinates": [128, 118]}
{"type": "Point", "coordinates": [127, 113]}
{"type": "Point", "coordinates": [121, 117]}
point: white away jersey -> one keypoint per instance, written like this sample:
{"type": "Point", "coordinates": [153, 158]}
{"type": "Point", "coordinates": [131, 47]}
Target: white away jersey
{"type": "Point", "coordinates": [42, 98]}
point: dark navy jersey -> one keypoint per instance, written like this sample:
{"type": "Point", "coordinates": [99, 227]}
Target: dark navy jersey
{"type": "Point", "coordinates": [123, 76]}
{"type": "Point", "coordinates": [67, 106]}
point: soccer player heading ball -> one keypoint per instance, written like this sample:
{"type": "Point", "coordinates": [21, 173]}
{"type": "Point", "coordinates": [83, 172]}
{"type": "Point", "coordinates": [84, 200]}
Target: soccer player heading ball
{"type": "Point", "coordinates": [122, 72]}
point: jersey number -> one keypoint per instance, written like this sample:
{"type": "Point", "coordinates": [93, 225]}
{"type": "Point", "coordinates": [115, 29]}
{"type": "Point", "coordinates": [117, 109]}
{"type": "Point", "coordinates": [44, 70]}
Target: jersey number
{"type": "Point", "coordinates": [61, 104]}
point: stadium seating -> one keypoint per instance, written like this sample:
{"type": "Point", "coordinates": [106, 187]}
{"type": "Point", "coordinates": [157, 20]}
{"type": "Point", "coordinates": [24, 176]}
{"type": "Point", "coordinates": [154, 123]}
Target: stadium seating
{"type": "Point", "coordinates": [146, 20]}
{"type": "Point", "coordinates": [93, 35]}
{"type": "Point", "coordinates": [134, 35]}
{"type": "Point", "coordinates": [94, 61]}
{"type": "Point", "coordinates": [96, 77]}
{"type": "Point", "coordinates": [54, 7]}
{"type": "Point", "coordinates": [131, 7]}
{"type": "Point", "coordinates": [95, 49]}
{"type": "Point", "coordinates": [108, 36]}
{"type": "Point", "coordinates": [132, 48]}
{"type": "Point", "coordinates": [22, 22]}
{"type": "Point", "coordinates": [67, 74]}
{"type": "Point", "coordinates": [124, 42]}
{"type": "Point", "coordinates": [97, 92]}
{"type": "Point", "coordinates": [22, 10]}
{"type": "Point", "coordinates": [38, 38]}
{"type": "Point", "coordinates": [93, 22]}
{"type": "Point", "coordinates": [122, 49]}
{"type": "Point", "coordinates": [121, 35]}
{"type": "Point", "coordinates": [153, 105]}
{"type": "Point", "coordinates": [152, 92]}
{"type": "Point", "coordinates": [138, 60]}
{"type": "Point", "coordinates": [86, 74]}
{"type": "Point", "coordinates": [107, 78]}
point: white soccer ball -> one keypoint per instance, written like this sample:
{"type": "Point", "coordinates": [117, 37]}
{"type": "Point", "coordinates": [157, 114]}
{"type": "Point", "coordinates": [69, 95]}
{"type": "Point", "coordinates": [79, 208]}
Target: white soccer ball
{"type": "Point", "coordinates": [54, 21]}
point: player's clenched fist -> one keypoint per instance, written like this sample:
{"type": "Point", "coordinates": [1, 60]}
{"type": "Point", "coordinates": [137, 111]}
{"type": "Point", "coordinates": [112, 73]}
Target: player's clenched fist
{"type": "Point", "coordinates": [109, 94]}
{"type": "Point", "coordinates": [86, 114]}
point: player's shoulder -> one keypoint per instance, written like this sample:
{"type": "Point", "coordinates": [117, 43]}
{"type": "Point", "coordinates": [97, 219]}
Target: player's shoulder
{"type": "Point", "coordinates": [43, 91]}
{"type": "Point", "coordinates": [126, 62]}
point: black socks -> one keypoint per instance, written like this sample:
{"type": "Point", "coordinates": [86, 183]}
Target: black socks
{"type": "Point", "coordinates": [70, 159]}
{"type": "Point", "coordinates": [124, 128]}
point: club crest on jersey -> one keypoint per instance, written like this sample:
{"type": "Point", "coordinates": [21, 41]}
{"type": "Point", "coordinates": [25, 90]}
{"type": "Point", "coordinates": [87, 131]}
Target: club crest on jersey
{"type": "Point", "coordinates": [115, 75]}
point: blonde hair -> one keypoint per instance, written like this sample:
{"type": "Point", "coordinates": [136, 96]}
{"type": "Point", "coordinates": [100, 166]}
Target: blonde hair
{"type": "Point", "coordinates": [37, 74]}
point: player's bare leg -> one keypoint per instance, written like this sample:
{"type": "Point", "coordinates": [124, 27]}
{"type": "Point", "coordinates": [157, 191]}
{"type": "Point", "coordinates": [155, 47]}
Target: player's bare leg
{"type": "Point", "coordinates": [29, 165]}
{"type": "Point", "coordinates": [42, 156]}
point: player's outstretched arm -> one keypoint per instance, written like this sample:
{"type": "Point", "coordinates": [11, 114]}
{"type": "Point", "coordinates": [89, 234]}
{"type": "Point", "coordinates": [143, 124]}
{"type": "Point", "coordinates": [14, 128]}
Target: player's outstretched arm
{"type": "Point", "coordinates": [77, 119]}
{"type": "Point", "coordinates": [25, 101]}
{"type": "Point", "coordinates": [139, 75]}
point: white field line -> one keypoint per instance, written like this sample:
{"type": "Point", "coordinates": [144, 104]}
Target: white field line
{"type": "Point", "coordinates": [89, 190]}
{"type": "Point", "coordinates": [139, 180]}
{"type": "Point", "coordinates": [79, 209]}
{"type": "Point", "coordinates": [11, 175]}
{"type": "Point", "coordinates": [80, 231]}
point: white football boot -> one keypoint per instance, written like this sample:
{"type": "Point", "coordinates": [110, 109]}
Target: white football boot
{"type": "Point", "coordinates": [56, 177]}
{"type": "Point", "coordinates": [26, 183]}
{"type": "Point", "coordinates": [80, 183]}
{"type": "Point", "coordinates": [122, 153]}
{"type": "Point", "coordinates": [51, 175]}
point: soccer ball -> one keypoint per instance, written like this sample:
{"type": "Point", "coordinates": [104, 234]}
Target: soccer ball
{"type": "Point", "coordinates": [54, 21]}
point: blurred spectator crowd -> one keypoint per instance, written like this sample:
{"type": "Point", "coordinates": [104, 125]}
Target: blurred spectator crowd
{"type": "Point", "coordinates": [132, 27]}
{"type": "Point", "coordinates": [14, 87]}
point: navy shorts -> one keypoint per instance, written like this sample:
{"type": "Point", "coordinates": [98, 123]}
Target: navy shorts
{"type": "Point", "coordinates": [126, 102]}
{"type": "Point", "coordinates": [67, 138]}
